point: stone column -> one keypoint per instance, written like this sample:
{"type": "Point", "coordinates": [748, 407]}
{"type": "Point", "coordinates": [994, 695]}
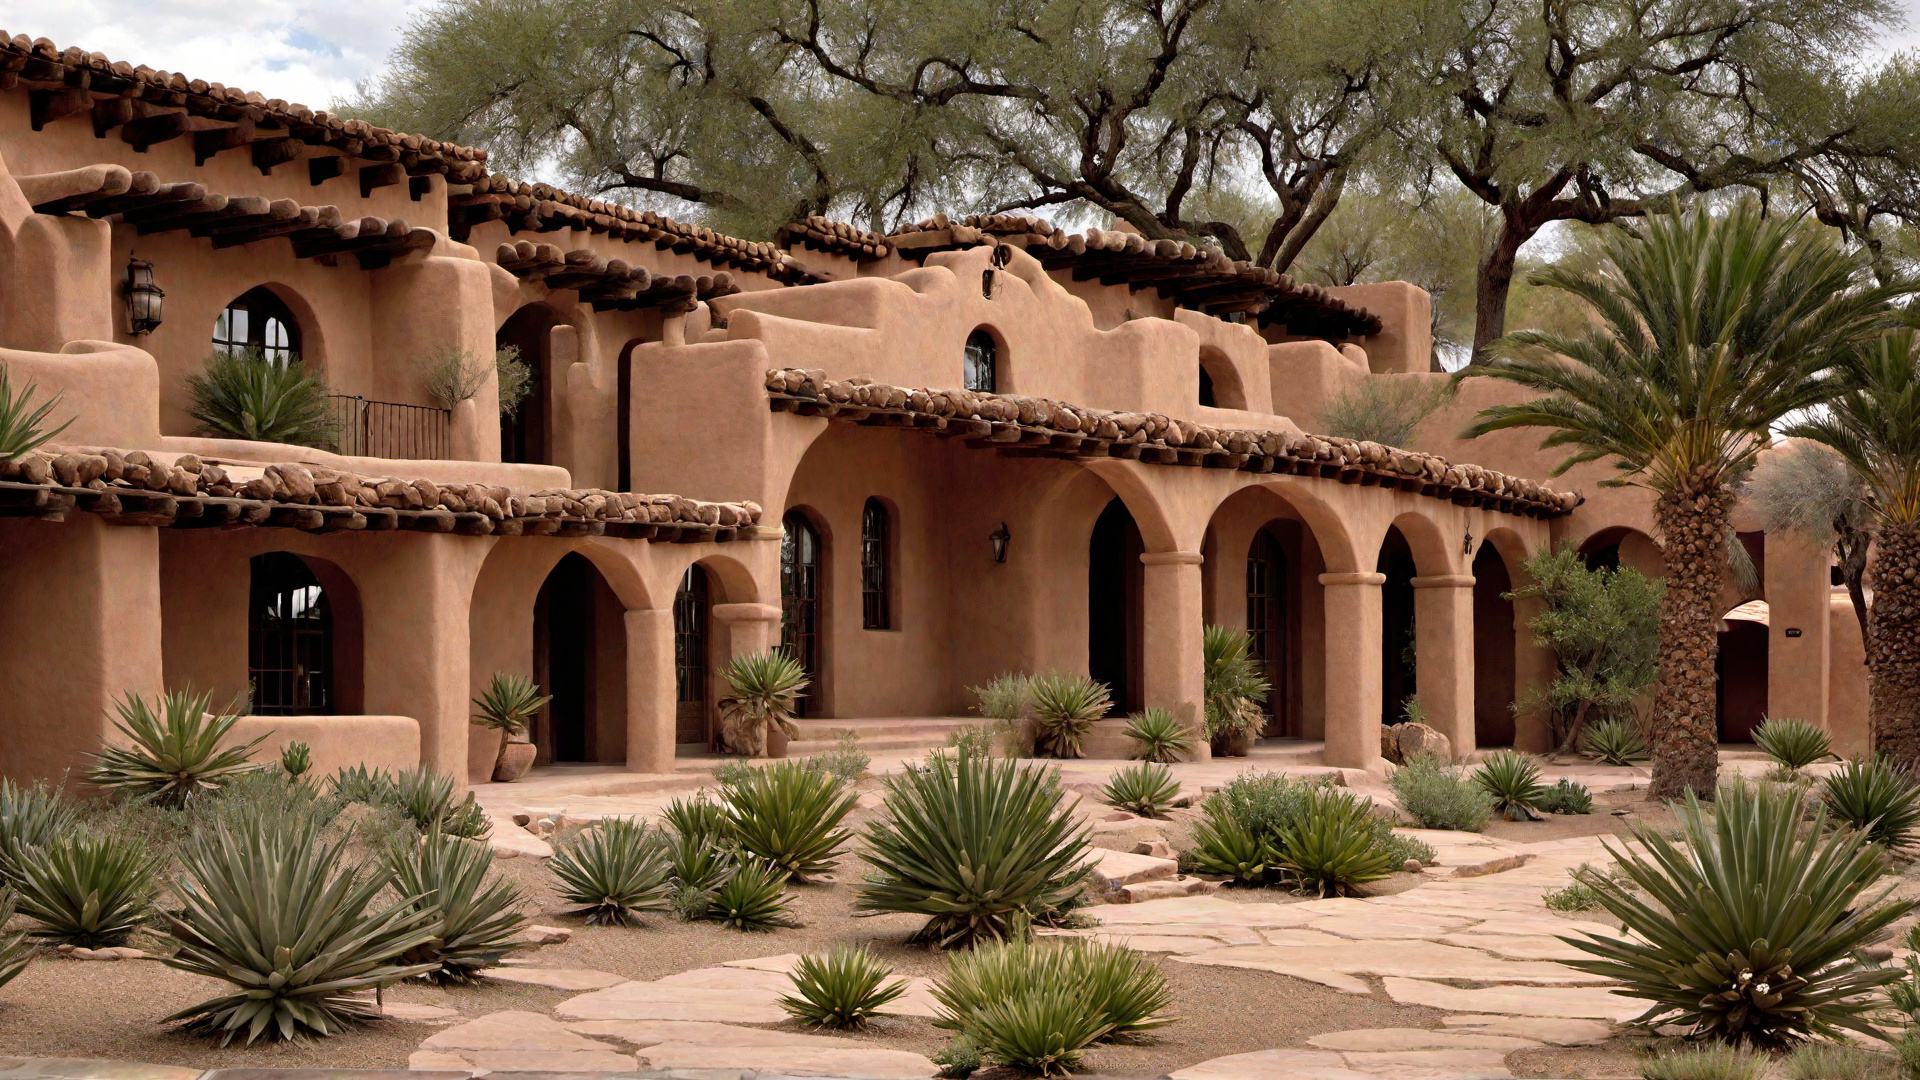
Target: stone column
{"type": "Point", "coordinates": [1352, 603]}
{"type": "Point", "coordinates": [415, 598]}
{"type": "Point", "coordinates": [651, 698]}
{"type": "Point", "coordinates": [1443, 648]}
{"type": "Point", "coordinates": [1799, 597]}
{"type": "Point", "coordinates": [749, 628]}
{"type": "Point", "coordinates": [1172, 669]}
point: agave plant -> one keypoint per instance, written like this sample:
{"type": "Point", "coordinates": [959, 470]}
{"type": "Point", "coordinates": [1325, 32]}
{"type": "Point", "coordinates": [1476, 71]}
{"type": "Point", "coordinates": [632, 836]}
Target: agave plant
{"type": "Point", "coordinates": [764, 691]}
{"type": "Point", "coordinates": [699, 818]}
{"type": "Point", "coordinates": [30, 817]}
{"type": "Point", "coordinates": [1225, 844]}
{"type": "Point", "coordinates": [1512, 780]}
{"type": "Point", "coordinates": [1122, 991]}
{"type": "Point", "coordinates": [175, 754]}
{"type": "Point", "coordinates": [613, 871]}
{"type": "Point", "coordinates": [20, 421]}
{"type": "Point", "coordinates": [1614, 741]}
{"type": "Point", "coordinates": [1566, 797]}
{"type": "Point", "coordinates": [360, 784]}
{"type": "Point", "coordinates": [1875, 796]}
{"type": "Point", "coordinates": [753, 899]}
{"type": "Point", "coordinates": [507, 705]}
{"type": "Point", "coordinates": [296, 758]}
{"type": "Point", "coordinates": [1747, 929]}
{"type": "Point", "coordinates": [972, 843]}
{"type": "Point", "coordinates": [1064, 709]}
{"type": "Point", "coordinates": [1792, 743]}
{"type": "Point", "coordinates": [473, 919]}
{"type": "Point", "coordinates": [1331, 847]}
{"type": "Point", "coordinates": [789, 814]}
{"type": "Point", "coordinates": [86, 889]}
{"type": "Point", "coordinates": [247, 396]}
{"type": "Point", "coordinates": [14, 950]}
{"type": "Point", "coordinates": [1042, 1030]}
{"type": "Point", "coordinates": [426, 797]}
{"type": "Point", "coordinates": [1145, 789]}
{"type": "Point", "coordinates": [286, 920]}
{"type": "Point", "coordinates": [699, 868]}
{"type": "Point", "coordinates": [842, 989]}
{"type": "Point", "coordinates": [1158, 735]}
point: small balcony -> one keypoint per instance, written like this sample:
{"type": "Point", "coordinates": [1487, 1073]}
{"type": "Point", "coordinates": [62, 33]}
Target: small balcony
{"type": "Point", "coordinates": [388, 429]}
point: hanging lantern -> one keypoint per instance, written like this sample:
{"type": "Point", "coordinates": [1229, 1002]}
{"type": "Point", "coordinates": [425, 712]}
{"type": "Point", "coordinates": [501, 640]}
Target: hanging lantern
{"type": "Point", "coordinates": [1000, 536]}
{"type": "Point", "coordinates": [143, 298]}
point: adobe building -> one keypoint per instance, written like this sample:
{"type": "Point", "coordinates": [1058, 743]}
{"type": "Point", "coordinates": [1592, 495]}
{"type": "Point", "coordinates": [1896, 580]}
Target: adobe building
{"type": "Point", "coordinates": [917, 460]}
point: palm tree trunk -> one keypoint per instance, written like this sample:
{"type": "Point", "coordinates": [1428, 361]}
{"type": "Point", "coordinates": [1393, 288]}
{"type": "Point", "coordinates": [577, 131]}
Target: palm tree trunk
{"type": "Point", "coordinates": [1893, 645]}
{"type": "Point", "coordinates": [1693, 523]}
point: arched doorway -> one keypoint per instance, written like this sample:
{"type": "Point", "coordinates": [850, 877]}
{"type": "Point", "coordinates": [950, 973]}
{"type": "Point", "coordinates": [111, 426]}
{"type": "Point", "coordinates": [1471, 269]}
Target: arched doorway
{"type": "Point", "coordinates": [290, 638]}
{"type": "Point", "coordinates": [1741, 671]}
{"type": "Point", "coordinates": [1493, 650]}
{"type": "Point", "coordinates": [1398, 662]}
{"type": "Point", "coordinates": [801, 613]}
{"type": "Point", "coordinates": [523, 432]}
{"type": "Point", "coordinates": [1269, 589]}
{"type": "Point", "coordinates": [580, 649]}
{"type": "Point", "coordinates": [692, 615]}
{"type": "Point", "coordinates": [1114, 580]}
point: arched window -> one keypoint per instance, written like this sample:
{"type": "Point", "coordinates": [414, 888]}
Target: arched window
{"type": "Point", "coordinates": [289, 638]}
{"type": "Point", "coordinates": [800, 598]}
{"type": "Point", "coordinates": [876, 540]}
{"type": "Point", "coordinates": [983, 363]}
{"type": "Point", "coordinates": [260, 321]}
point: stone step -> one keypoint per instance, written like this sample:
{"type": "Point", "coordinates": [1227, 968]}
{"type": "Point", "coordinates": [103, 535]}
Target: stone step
{"type": "Point", "coordinates": [1167, 888]}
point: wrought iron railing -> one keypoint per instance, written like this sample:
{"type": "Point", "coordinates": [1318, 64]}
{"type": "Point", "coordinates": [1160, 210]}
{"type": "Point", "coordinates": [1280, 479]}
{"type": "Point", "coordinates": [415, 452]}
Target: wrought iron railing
{"type": "Point", "coordinates": [388, 429]}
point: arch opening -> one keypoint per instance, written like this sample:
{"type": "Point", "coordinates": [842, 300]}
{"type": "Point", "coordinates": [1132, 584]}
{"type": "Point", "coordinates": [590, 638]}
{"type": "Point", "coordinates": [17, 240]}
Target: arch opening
{"type": "Point", "coordinates": [802, 601]}
{"type": "Point", "coordinates": [692, 658]}
{"type": "Point", "coordinates": [524, 435]}
{"type": "Point", "coordinates": [1399, 682]}
{"type": "Point", "coordinates": [980, 371]}
{"type": "Point", "coordinates": [1740, 671]}
{"type": "Point", "coordinates": [579, 658]}
{"type": "Point", "coordinates": [259, 322]}
{"type": "Point", "coordinates": [1220, 385]}
{"type": "Point", "coordinates": [1115, 578]}
{"type": "Point", "coordinates": [1494, 647]}
{"type": "Point", "coordinates": [291, 638]}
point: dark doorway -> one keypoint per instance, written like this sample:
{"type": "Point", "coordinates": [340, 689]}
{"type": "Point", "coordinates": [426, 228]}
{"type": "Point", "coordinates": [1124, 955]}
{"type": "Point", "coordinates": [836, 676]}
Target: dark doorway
{"type": "Point", "coordinates": [289, 638]}
{"type": "Point", "coordinates": [1397, 659]}
{"type": "Point", "coordinates": [579, 657]}
{"type": "Point", "coordinates": [1114, 579]}
{"type": "Point", "coordinates": [800, 614]}
{"type": "Point", "coordinates": [692, 608]}
{"type": "Point", "coordinates": [1742, 670]}
{"type": "Point", "coordinates": [1493, 650]}
{"type": "Point", "coordinates": [523, 432]}
{"type": "Point", "coordinates": [1267, 595]}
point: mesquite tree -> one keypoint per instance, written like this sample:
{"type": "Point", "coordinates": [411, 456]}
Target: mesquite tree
{"type": "Point", "coordinates": [1603, 628]}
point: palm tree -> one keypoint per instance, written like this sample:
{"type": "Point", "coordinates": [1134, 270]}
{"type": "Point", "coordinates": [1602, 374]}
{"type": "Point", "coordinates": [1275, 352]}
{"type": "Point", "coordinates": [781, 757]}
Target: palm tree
{"type": "Point", "coordinates": [1875, 428]}
{"type": "Point", "coordinates": [1708, 329]}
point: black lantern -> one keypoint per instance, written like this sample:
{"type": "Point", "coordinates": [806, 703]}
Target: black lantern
{"type": "Point", "coordinates": [143, 298]}
{"type": "Point", "coordinates": [1466, 543]}
{"type": "Point", "coordinates": [1000, 536]}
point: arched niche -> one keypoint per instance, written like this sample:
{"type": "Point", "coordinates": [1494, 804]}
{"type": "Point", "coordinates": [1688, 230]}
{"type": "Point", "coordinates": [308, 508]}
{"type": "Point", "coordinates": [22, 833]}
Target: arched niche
{"type": "Point", "coordinates": [1220, 384]}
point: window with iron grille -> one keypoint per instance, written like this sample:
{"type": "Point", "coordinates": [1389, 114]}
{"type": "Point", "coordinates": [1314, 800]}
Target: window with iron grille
{"type": "Point", "coordinates": [982, 372]}
{"type": "Point", "coordinates": [259, 321]}
{"type": "Point", "coordinates": [875, 541]}
{"type": "Point", "coordinates": [800, 599]}
{"type": "Point", "coordinates": [289, 638]}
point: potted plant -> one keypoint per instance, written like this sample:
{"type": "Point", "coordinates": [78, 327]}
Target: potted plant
{"type": "Point", "coordinates": [1233, 688]}
{"type": "Point", "coordinates": [509, 703]}
{"type": "Point", "coordinates": [757, 716]}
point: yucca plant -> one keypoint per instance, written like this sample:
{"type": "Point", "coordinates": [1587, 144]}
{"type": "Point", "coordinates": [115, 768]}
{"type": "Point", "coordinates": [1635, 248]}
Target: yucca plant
{"type": "Point", "coordinates": [843, 988]}
{"type": "Point", "coordinates": [507, 705]}
{"type": "Point", "coordinates": [1615, 741]}
{"type": "Point", "coordinates": [175, 754]}
{"type": "Point", "coordinates": [1158, 735]}
{"type": "Point", "coordinates": [1512, 780]}
{"type": "Point", "coordinates": [1042, 1030]}
{"type": "Point", "coordinates": [247, 396]}
{"type": "Point", "coordinates": [753, 899]}
{"type": "Point", "coordinates": [1064, 709]}
{"type": "Point", "coordinates": [1232, 686]}
{"type": "Point", "coordinates": [1707, 1063]}
{"type": "Point", "coordinates": [1566, 797]}
{"type": "Point", "coordinates": [1875, 796]}
{"type": "Point", "coordinates": [699, 868]}
{"type": "Point", "coordinates": [426, 797]}
{"type": "Point", "coordinates": [764, 689]}
{"type": "Point", "coordinates": [1747, 929]}
{"type": "Point", "coordinates": [14, 950]}
{"type": "Point", "coordinates": [360, 784]}
{"type": "Point", "coordinates": [1224, 844]}
{"type": "Point", "coordinates": [698, 818]}
{"type": "Point", "coordinates": [789, 815]}
{"type": "Point", "coordinates": [1330, 847]}
{"type": "Point", "coordinates": [1145, 789]}
{"type": "Point", "coordinates": [30, 817]}
{"type": "Point", "coordinates": [296, 758]}
{"type": "Point", "coordinates": [20, 421]}
{"type": "Point", "coordinates": [972, 843]}
{"type": "Point", "coordinates": [87, 889]}
{"type": "Point", "coordinates": [1792, 743]}
{"type": "Point", "coordinates": [287, 920]}
{"type": "Point", "coordinates": [1120, 990]}
{"type": "Point", "coordinates": [473, 919]}
{"type": "Point", "coordinates": [613, 872]}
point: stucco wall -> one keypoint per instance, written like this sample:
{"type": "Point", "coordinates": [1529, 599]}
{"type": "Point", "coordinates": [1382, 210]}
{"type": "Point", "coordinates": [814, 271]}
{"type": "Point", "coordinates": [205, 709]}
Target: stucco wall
{"type": "Point", "coordinates": [337, 742]}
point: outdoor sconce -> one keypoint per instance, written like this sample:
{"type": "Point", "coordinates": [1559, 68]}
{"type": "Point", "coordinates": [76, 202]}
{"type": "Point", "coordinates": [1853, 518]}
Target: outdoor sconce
{"type": "Point", "coordinates": [1002, 254]}
{"type": "Point", "coordinates": [143, 298]}
{"type": "Point", "coordinates": [1000, 536]}
{"type": "Point", "coordinates": [1466, 543]}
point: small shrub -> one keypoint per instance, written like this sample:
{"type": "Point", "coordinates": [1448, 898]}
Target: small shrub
{"type": "Point", "coordinates": [1575, 897]}
{"type": "Point", "coordinates": [20, 422]}
{"type": "Point", "coordinates": [1042, 1030]}
{"type": "Point", "coordinates": [1158, 735]}
{"type": "Point", "coordinates": [1705, 1063]}
{"type": "Point", "coordinates": [753, 899]}
{"type": "Point", "coordinates": [30, 817]}
{"type": "Point", "coordinates": [1385, 409]}
{"type": "Point", "coordinates": [1118, 994]}
{"type": "Point", "coordinates": [960, 1058]}
{"type": "Point", "coordinates": [1438, 797]}
{"type": "Point", "coordinates": [1792, 743]}
{"type": "Point", "coordinates": [1401, 849]}
{"type": "Point", "coordinates": [790, 815]}
{"type": "Point", "coordinates": [1613, 741]}
{"type": "Point", "coordinates": [452, 374]}
{"type": "Point", "coordinates": [846, 762]}
{"type": "Point", "coordinates": [1005, 697]}
{"type": "Point", "coordinates": [971, 740]}
{"type": "Point", "coordinates": [515, 376]}
{"type": "Point", "coordinates": [90, 890]}
{"type": "Point", "coordinates": [360, 784]}
{"type": "Point", "coordinates": [174, 755]}
{"type": "Point", "coordinates": [1566, 797]}
{"type": "Point", "coordinates": [842, 989]}
{"type": "Point", "coordinates": [1512, 780]}
{"type": "Point", "coordinates": [1831, 1061]}
{"type": "Point", "coordinates": [247, 396]}
{"type": "Point", "coordinates": [426, 797]}
{"type": "Point", "coordinates": [296, 758]}
{"type": "Point", "coordinates": [15, 953]}
{"type": "Point", "coordinates": [731, 772]}
{"type": "Point", "coordinates": [473, 919]}
{"type": "Point", "coordinates": [1331, 847]}
{"type": "Point", "coordinates": [508, 705]}
{"type": "Point", "coordinates": [1146, 789]}
{"type": "Point", "coordinates": [613, 871]}
{"type": "Point", "coordinates": [764, 689]}
{"type": "Point", "coordinates": [270, 795]}
{"type": "Point", "coordinates": [1064, 709]}
{"type": "Point", "coordinates": [1874, 795]}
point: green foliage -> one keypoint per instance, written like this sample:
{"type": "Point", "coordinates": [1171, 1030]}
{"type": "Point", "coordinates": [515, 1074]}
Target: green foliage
{"type": "Point", "coordinates": [699, 867]}
{"type": "Point", "coordinates": [699, 818]}
{"type": "Point", "coordinates": [1831, 1061]}
{"type": "Point", "coordinates": [426, 797]}
{"type": "Point", "coordinates": [1750, 931]}
{"type": "Point", "coordinates": [1438, 797]}
{"type": "Point", "coordinates": [846, 762]}
{"type": "Point", "coordinates": [30, 817]}
{"type": "Point", "coordinates": [359, 784]}
{"type": "Point", "coordinates": [1614, 741]}
{"type": "Point", "coordinates": [269, 795]}
{"type": "Point", "coordinates": [1331, 846]}
{"type": "Point", "coordinates": [296, 758]}
{"type": "Point", "coordinates": [15, 952]}
{"type": "Point", "coordinates": [1002, 994]}
{"type": "Point", "coordinates": [1401, 849]}
{"type": "Point", "coordinates": [1874, 795]}
{"type": "Point", "coordinates": [843, 988]}
{"type": "Point", "coordinates": [87, 889]}
{"type": "Point", "coordinates": [789, 815]}
{"type": "Point", "coordinates": [1005, 697]}
{"type": "Point", "coordinates": [451, 374]}
{"type": "Point", "coordinates": [1792, 743]}
{"type": "Point", "coordinates": [1225, 844]}
{"type": "Point", "coordinates": [1603, 627]}
{"type": "Point", "coordinates": [1233, 688]}
{"type": "Point", "coordinates": [20, 420]}
{"type": "Point", "coordinates": [1512, 780]}
{"type": "Point", "coordinates": [247, 396]}
{"type": "Point", "coordinates": [1041, 1030]}
{"type": "Point", "coordinates": [764, 690]}
{"type": "Point", "coordinates": [1705, 1063]}
{"type": "Point", "coordinates": [960, 1058]}
{"type": "Point", "coordinates": [508, 703]}
{"type": "Point", "coordinates": [286, 920]}
{"type": "Point", "coordinates": [971, 740]}
{"type": "Point", "coordinates": [613, 872]}
{"type": "Point", "coordinates": [1385, 409]}
{"type": "Point", "coordinates": [473, 919]}
{"type": "Point", "coordinates": [1263, 829]}
{"type": "Point", "coordinates": [1064, 709]}
{"type": "Point", "coordinates": [173, 756]}
{"type": "Point", "coordinates": [1874, 426]}
{"type": "Point", "coordinates": [1574, 897]}
{"type": "Point", "coordinates": [1158, 735]}
{"type": "Point", "coordinates": [515, 377]}
{"type": "Point", "coordinates": [972, 843]}
{"type": "Point", "coordinates": [1145, 789]}
{"type": "Point", "coordinates": [1566, 797]}
{"type": "Point", "coordinates": [753, 899]}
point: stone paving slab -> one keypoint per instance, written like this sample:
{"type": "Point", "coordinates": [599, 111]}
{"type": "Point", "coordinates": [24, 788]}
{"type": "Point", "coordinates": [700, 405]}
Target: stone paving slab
{"type": "Point", "coordinates": [641, 1034]}
{"type": "Point", "coordinates": [652, 1001]}
{"type": "Point", "coordinates": [1573, 1003]}
{"type": "Point", "coordinates": [1330, 1065]}
{"type": "Point", "coordinates": [1398, 1039]}
{"type": "Point", "coordinates": [90, 1069]}
{"type": "Point", "coordinates": [865, 1062]}
{"type": "Point", "coordinates": [1549, 1030]}
{"type": "Point", "coordinates": [1406, 958]}
{"type": "Point", "coordinates": [556, 978]}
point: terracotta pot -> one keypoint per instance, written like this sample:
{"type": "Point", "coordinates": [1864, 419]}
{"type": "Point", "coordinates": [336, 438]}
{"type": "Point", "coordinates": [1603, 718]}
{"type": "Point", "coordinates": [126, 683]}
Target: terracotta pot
{"type": "Point", "coordinates": [776, 742]}
{"type": "Point", "coordinates": [1233, 744]}
{"type": "Point", "coordinates": [514, 762]}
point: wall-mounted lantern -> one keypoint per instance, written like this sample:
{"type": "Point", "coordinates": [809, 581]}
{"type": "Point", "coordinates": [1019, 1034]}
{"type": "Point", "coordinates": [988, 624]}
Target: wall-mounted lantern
{"type": "Point", "coordinates": [1000, 536]}
{"type": "Point", "coordinates": [143, 298]}
{"type": "Point", "coordinates": [1466, 543]}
